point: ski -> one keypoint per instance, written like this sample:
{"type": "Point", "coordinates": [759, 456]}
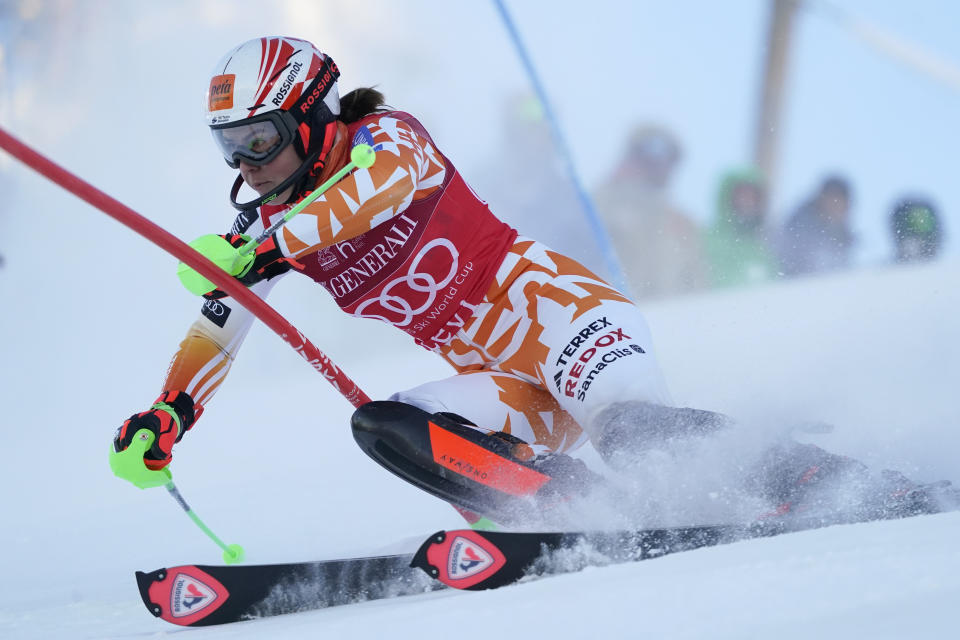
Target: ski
{"type": "Point", "coordinates": [201, 595]}
{"type": "Point", "coordinates": [204, 595]}
{"type": "Point", "coordinates": [477, 560]}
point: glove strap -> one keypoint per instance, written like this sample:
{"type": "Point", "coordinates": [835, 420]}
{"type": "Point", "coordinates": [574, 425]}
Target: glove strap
{"type": "Point", "coordinates": [163, 406]}
{"type": "Point", "coordinates": [180, 406]}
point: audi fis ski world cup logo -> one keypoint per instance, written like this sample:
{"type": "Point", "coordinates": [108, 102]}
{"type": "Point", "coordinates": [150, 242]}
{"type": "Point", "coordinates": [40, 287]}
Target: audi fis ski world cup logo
{"type": "Point", "coordinates": [220, 95]}
{"type": "Point", "coordinates": [189, 595]}
{"type": "Point", "coordinates": [466, 559]}
{"type": "Point", "coordinates": [418, 288]}
{"type": "Point", "coordinates": [404, 298]}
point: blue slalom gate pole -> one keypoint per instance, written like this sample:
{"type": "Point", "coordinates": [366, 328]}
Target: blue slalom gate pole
{"type": "Point", "coordinates": [599, 231]}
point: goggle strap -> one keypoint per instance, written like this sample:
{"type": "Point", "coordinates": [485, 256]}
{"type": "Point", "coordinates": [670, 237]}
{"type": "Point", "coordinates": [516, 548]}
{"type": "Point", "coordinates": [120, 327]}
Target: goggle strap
{"type": "Point", "coordinates": [318, 88]}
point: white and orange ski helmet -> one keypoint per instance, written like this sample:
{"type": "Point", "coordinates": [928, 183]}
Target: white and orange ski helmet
{"type": "Point", "coordinates": [268, 93]}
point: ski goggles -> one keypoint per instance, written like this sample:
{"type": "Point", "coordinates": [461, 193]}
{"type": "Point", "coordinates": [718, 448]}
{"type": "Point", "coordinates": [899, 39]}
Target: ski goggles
{"type": "Point", "coordinates": [257, 140]}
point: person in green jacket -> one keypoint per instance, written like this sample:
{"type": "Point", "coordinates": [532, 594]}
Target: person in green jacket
{"type": "Point", "coordinates": [737, 250]}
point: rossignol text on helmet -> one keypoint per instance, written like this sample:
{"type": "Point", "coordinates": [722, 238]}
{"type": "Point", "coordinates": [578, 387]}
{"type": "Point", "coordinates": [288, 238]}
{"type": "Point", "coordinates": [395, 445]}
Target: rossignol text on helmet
{"type": "Point", "coordinates": [269, 93]}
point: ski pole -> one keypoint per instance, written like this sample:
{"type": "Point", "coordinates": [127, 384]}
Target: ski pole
{"type": "Point", "coordinates": [177, 248]}
{"type": "Point", "coordinates": [600, 233]}
{"type": "Point", "coordinates": [232, 553]}
{"type": "Point", "coordinates": [362, 156]}
{"type": "Point", "coordinates": [128, 464]}
{"type": "Point", "coordinates": [234, 261]}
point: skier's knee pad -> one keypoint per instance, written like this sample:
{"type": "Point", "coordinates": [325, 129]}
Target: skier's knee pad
{"type": "Point", "coordinates": [630, 428]}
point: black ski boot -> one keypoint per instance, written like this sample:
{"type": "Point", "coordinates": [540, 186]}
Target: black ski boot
{"type": "Point", "coordinates": [804, 482]}
{"type": "Point", "coordinates": [490, 474]}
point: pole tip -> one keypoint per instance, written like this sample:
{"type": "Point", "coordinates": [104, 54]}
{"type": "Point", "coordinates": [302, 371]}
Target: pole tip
{"type": "Point", "coordinates": [234, 554]}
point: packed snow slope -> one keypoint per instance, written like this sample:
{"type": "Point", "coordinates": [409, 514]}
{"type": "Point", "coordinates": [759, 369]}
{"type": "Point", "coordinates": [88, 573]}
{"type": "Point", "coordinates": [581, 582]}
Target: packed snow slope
{"type": "Point", "coordinates": [272, 465]}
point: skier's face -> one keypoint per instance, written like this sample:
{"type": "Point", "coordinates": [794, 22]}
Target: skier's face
{"type": "Point", "coordinates": [266, 178]}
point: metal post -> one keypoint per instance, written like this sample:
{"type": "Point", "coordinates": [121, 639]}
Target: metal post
{"type": "Point", "coordinates": [768, 128]}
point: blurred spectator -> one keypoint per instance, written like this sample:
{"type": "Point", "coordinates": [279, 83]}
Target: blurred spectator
{"type": "Point", "coordinates": [658, 246]}
{"type": "Point", "coordinates": [737, 247]}
{"type": "Point", "coordinates": [916, 229]}
{"type": "Point", "coordinates": [527, 187]}
{"type": "Point", "coordinates": [817, 237]}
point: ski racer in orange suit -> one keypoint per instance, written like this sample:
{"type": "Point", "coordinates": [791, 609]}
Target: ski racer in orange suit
{"type": "Point", "coordinates": [545, 353]}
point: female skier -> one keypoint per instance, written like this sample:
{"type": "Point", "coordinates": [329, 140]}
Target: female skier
{"type": "Point", "coordinates": [547, 355]}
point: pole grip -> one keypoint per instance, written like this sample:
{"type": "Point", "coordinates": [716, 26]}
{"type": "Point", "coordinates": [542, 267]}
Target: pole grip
{"type": "Point", "coordinates": [128, 464]}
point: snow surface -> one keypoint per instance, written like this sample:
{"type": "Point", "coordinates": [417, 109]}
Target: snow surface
{"type": "Point", "coordinates": [272, 465]}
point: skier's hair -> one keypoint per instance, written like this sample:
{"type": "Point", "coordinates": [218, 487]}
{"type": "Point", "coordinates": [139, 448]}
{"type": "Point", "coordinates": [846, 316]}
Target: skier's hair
{"type": "Point", "coordinates": [360, 103]}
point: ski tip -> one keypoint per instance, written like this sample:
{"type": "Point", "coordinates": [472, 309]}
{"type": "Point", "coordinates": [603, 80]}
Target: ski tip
{"type": "Point", "coordinates": [144, 580]}
{"type": "Point", "coordinates": [184, 596]}
{"type": "Point", "coordinates": [420, 560]}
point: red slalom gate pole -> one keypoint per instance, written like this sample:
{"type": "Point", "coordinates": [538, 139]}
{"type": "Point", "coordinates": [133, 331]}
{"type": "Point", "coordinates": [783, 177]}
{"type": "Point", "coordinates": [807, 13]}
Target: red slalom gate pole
{"type": "Point", "coordinates": [180, 250]}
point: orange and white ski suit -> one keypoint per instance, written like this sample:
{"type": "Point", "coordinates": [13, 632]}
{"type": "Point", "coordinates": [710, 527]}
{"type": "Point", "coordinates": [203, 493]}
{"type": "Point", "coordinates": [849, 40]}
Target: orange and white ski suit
{"type": "Point", "coordinates": [539, 344]}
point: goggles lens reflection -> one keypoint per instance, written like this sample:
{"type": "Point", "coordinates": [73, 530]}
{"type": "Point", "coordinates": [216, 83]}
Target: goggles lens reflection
{"type": "Point", "coordinates": [256, 143]}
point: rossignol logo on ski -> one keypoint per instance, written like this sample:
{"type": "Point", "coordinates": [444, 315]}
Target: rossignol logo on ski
{"type": "Point", "coordinates": [189, 595]}
{"type": "Point", "coordinates": [463, 559]}
{"type": "Point", "coordinates": [466, 559]}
